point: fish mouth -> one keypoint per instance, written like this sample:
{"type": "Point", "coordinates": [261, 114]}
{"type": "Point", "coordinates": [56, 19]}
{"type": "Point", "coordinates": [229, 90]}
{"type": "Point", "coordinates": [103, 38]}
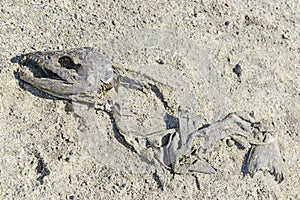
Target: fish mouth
{"type": "Point", "coordinates": [35, 70]}
{"type": "Point", "coordinates": [37, 64]}
{"type": "Point", "coordinates": [34, 64]}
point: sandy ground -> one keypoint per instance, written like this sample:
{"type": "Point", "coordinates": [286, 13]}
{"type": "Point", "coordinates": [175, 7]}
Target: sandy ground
{"type": "Point", "coordinates": [191, 46]}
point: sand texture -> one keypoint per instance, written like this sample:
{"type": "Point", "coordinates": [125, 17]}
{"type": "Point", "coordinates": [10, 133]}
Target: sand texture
{"type": "Point", "coordinates": [209, 57]}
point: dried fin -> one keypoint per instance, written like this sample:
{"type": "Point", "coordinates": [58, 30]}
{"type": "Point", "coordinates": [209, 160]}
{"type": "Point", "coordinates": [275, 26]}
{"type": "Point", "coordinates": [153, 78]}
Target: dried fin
{"type": "Point", "coordinates": [266, 157]}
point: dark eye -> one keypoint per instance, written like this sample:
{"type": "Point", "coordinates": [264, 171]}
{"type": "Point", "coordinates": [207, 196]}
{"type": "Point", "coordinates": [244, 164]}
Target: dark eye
{"type": "Point", "coordinates": [67, 62]}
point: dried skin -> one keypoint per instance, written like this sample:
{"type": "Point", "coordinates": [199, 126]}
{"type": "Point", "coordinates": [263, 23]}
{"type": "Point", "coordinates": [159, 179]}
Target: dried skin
{"type": "Point", "coordinates": [184, 150]}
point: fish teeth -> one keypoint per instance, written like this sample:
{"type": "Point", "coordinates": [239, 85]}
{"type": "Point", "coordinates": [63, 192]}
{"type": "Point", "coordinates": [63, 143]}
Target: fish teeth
{"type": "Point", "coordinates": [34, 58]}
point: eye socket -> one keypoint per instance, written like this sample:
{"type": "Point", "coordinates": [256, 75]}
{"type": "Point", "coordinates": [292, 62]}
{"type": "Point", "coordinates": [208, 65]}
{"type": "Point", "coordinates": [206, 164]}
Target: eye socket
{"type": "Point", "coordinates": [67, 62]}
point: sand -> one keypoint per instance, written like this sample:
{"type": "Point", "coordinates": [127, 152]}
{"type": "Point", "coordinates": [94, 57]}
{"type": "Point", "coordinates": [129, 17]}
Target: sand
{"type": "Point", "coordinates": [218, 56]}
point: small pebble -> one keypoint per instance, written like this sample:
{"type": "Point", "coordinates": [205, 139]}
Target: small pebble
{"type": "Point", "coordinates": [227, 23]}
{"type": "Point", "coordinates": [237, 70]}
{"type": "Point", "coordinates": [160, 61]}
